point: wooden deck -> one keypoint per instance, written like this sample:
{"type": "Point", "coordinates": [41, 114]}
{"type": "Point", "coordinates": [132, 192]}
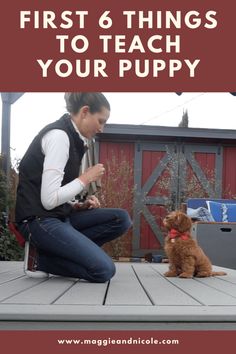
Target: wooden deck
{"type": "Point", "coordinates": [137, 297]}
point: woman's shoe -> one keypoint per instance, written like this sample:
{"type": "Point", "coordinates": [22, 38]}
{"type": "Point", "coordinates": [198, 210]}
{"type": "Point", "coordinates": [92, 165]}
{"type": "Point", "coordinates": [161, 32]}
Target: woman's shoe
{"type": "Point", "coordinates": [30, 263]}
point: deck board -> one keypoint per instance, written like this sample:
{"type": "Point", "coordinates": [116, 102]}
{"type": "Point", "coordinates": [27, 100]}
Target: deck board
{"type": "Point", "coordinates": [9, 276]}
{"type": "Point", "coordinates": [43, 293]}
{"type": "Point", "coordinates": [221, 285]}
{"type": "Point", "coordinates": [16, 286]}
{"type": "Point", "coordinates": [125, 288]}
{"type": "Point", "coordinates": [8, 266]}
{"type": "Point", "coordinates": [138, 293]}
{"type": "Point", "coordinates": [83, 293]}
{"type": "Point", "coordinates": [160, 290]}
{"type": "Point", "coordinates": [203, 292]}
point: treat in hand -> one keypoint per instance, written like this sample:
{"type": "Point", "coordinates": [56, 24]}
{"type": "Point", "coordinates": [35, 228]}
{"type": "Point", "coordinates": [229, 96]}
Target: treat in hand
{"type": "Point", "coordinates": [92, 174]}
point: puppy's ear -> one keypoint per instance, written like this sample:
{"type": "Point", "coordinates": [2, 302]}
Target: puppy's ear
{"type": "Point", "coordinates": [184, 222]}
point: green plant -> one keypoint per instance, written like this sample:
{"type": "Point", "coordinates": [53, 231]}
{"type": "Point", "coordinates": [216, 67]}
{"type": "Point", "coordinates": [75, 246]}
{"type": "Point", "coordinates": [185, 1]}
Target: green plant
{"type": "Point", "coordinates": [9, 247]}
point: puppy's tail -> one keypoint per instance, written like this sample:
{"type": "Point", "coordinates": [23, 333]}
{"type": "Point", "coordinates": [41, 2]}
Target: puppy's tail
{"type": "Point", "coordinates": [214, 274]}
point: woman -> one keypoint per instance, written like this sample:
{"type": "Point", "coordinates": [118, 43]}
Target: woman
{"type": "Point", "coordinates": [68, 237]}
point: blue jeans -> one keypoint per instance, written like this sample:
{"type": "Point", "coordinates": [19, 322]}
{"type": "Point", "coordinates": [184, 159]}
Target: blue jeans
{"type": "Point", "coordinates": [72, 248]}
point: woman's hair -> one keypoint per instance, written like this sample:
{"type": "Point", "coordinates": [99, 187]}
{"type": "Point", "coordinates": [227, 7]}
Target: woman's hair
{"type": "Point", "coordinates": [94, 100]}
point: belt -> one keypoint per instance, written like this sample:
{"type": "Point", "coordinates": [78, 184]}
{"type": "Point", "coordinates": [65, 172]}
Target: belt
{"type": "Point", "coordinates": [31, 218]}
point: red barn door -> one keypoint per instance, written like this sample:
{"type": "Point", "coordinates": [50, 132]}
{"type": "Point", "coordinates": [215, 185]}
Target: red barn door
{"type": "Point", "coordinates": [165, 175]}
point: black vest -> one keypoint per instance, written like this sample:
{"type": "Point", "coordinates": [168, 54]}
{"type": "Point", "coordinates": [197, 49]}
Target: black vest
{"type": "Point", "coordinates": [28, 201]}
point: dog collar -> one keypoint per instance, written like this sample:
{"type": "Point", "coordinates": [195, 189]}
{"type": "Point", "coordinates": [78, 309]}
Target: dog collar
{"type": "Point", "coordinates": [173, 233]}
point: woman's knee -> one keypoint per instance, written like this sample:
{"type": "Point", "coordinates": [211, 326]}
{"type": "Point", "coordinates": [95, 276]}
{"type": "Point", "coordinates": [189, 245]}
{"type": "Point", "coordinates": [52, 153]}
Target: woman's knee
{"type": "Point", "coordinates": [104, 272]}
{"type": "Point", "coordinates": [124, 219]}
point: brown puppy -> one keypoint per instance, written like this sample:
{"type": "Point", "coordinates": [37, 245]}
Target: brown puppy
{"type": "Point", "coordinates": [186, 258]}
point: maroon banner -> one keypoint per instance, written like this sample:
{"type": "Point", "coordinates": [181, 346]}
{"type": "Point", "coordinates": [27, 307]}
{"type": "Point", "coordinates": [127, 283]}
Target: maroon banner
{"type": "Point", "coordinates": [133, 342]}
{"type": "Point", "coordinates": [131, 45]}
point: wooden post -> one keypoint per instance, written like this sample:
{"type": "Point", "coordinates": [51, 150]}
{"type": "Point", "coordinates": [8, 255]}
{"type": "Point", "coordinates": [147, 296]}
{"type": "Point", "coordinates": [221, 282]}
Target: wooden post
{"type": "Point", "coordinates": [5, 150]}
{"type": "Point", "coordinates": [8, 98]}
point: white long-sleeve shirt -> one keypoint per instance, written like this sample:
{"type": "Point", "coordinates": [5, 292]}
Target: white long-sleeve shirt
{"type": "Point", "coordinates": [55, 146]}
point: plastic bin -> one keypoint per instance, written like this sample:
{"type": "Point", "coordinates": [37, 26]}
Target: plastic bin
{"type": "Point", "coordinates": [218, 241]}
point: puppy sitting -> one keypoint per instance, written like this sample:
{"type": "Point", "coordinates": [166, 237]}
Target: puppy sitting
{"type": "Point", "coordinates": [186, 258]}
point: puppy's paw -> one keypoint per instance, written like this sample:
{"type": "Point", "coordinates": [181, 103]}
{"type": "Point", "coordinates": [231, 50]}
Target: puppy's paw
{"type": "Point", "coordinates": [186, 275]}
{"type": "Point", "coordinates": [170, 273]}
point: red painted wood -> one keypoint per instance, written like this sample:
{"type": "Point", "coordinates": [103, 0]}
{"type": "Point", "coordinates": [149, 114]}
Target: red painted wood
{"type": "Point", "coordinates": [113, 153]}
{"type": "Point", "coordinates": [206, 161]}
{"type": "Point", "coordinates": [118, 181]}
{"type": "Point", "coordinates": [148, 239]}
{"type": "Point", "coordinates": [118, 188]}
{"type": "Point", "coordinates": [150, 160]}
{"type": "Point", "coordinates": [161, 188]}
{"type": "Point", "coordinates": [229, 172]}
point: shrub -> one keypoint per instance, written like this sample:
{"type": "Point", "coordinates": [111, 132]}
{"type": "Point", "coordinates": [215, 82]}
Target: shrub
{"type": "Point", "coordinates": [118, 173]}
{"type": "Point", "coordinates": [9, 247]}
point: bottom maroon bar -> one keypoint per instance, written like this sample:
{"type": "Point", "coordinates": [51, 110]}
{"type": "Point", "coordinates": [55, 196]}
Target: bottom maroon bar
{"type": "Point", "coordinates": [71, 342]}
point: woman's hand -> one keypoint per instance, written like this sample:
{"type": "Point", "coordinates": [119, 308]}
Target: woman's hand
{"type": "Point", "coordinates": [92, 174]}
{"type": "Point", "coordinates": [91, 203]}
